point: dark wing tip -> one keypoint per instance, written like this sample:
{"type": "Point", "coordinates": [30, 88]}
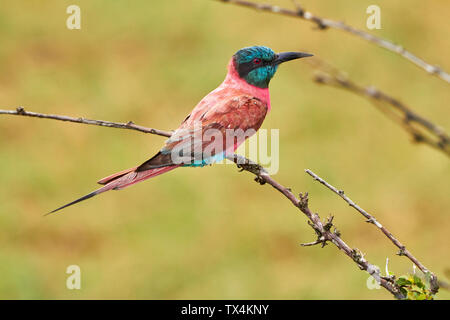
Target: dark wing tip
{"type": "Point", "coordinates": [90, 195]}
{"type": "Point", "coordinates": [159, 160]}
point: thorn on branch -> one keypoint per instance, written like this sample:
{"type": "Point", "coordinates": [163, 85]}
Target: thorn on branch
{"type": "Point", "coordinates": [337, 232]}
{"type": "Point", "coordinates": [402, 251]}
{"type": "Point", "coordinates": [312, 225]}
{"type": "Point", "coordinates": [358, 257]}
{"type": "Point", "coordinates": [409, 117]}
{"type": "Point", "coordinates": [417, 137]}
{"type": "Point", "coordinates": [320, 240]}
{"type": "Point", "coordinates": [433, 69]}
{"type": "Point", "coordinates": [373, 92]}
{"type": "Point", "coordinates": [260, 180]}
{"type": "Point", "coordinates": [321, 232]}
{"type": "Point", "coordinates": [320, 24]}
{"type": "Point", "coordinates": [329, 223]}
{"type": "Point", "coordinates": [389, 278]}
{"type": "Point", "coordinates": [303, 203]}
{"type": "Point", "coordinates": [300, 11]}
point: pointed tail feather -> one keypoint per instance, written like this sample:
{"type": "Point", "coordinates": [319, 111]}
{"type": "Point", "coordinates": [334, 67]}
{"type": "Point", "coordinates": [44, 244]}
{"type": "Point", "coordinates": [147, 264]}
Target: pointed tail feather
{"type": "Point", "coordinates": [119, 181]}
{"type": "Point", "coordinates": [88, 196]}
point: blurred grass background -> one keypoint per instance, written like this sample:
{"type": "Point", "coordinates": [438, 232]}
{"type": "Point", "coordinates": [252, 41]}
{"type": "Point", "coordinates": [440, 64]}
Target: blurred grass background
{"type": "Point", "coordinates": [212, 233]}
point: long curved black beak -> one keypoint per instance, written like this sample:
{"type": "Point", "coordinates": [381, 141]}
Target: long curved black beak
{"type": "Point", "coordinates": [288, 56]}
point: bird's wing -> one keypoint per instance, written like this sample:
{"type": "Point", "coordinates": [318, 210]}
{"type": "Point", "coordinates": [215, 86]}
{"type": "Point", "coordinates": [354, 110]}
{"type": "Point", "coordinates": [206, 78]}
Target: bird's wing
{"type": "Point", "coordinates": [240, 115]}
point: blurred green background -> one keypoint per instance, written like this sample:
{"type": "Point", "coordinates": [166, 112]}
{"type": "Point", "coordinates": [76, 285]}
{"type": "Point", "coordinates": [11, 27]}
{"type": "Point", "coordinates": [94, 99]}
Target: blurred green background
{"type": "Point", "coordinates": [212, 233]}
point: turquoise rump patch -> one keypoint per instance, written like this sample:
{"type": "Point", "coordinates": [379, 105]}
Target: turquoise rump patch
{"type": "Point", "coordinates": [207, 161]}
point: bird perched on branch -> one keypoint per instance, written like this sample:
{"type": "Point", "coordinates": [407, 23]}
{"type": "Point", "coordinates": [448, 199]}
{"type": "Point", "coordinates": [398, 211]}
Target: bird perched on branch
{"type": "Point", "coordinates": [219, 123]}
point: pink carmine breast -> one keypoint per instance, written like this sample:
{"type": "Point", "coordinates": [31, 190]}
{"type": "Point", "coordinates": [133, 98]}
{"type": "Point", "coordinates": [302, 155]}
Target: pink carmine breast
{"type": "Point", "coordinates": [233, 81]}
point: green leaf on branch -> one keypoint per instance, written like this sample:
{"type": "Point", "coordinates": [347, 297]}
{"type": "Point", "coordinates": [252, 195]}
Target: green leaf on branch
{"type": "Point", "coordinates": [413, 288]}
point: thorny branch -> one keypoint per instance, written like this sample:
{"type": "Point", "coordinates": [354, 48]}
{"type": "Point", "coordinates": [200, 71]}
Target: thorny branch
{"type": "Point", "coordinates": [420, 129]}
{"type": "Point", "coordinates": [323, 229]}
{"type": "Point", "coordinates": [371, 219]}
{"type": "Point", "coordinates": [323, 24]}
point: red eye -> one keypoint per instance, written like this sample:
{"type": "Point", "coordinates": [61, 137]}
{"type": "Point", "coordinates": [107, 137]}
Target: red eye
{"type": "Point", "coordinates": [257, 61]}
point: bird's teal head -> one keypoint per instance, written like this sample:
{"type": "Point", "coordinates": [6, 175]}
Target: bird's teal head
{"type": "Point", "coordinates": [258, 64]}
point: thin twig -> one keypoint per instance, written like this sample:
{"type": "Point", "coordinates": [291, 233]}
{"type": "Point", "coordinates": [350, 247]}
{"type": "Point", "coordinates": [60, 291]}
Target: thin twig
{"type": "Point", "coordinates": [371, 219]}
{"type": "Point", "coordinates": [20, 111]}
{"type": "Point", "coordinates": [322, 229]}
{"type": "Point", "coordinates": [420, 129]}
{"type": "Point", "coordinates": [323, 24]}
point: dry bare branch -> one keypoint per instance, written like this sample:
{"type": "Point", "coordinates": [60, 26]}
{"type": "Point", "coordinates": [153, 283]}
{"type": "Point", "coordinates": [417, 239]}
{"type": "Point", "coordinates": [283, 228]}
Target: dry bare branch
{"type": "Point", "coordinates": [20, 111]}
{"type": "Point", "coordinates": [420, 129]}
{"type": "Point", "coordinates": [322, 229]}
{"type": "Point", "coordinates": [323, 24]}
{"type": "Point", "coordinates": [371, 219]}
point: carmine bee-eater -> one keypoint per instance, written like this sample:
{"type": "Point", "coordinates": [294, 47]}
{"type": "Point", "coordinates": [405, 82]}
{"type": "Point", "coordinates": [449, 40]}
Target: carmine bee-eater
{"type": "Point", "coordinates": [239, 105]}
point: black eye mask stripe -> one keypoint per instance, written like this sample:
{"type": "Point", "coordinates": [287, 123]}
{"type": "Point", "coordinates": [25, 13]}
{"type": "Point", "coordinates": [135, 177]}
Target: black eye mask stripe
{"type": "Point", "coordinates": [244, 68]}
